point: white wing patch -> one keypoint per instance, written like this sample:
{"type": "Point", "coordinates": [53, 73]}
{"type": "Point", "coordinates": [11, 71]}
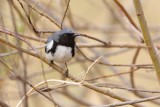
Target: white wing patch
{"type": "Point", "coordinates": [49, 45]}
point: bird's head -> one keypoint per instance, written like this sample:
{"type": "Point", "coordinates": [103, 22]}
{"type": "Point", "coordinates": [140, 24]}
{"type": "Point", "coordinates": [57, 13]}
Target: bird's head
{"type": "Point", "coordinates": [65, 37]}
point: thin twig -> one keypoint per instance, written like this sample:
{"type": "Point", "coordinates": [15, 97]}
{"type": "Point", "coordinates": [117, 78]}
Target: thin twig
{"type": "Point", "coordinates": [90, 37]}
{"type": "Point", "coordinates": [75, 98]}
{"type": "Point", "coordinates": [90, 68]}
{"type": "Point", "coordinates": [132, 73]}
{"type": "Point", "coordinates": [65, 14]}
{"type": "Point", "coordinates": [20, 54]}
{"type": "Point", "coordinates": [142, 41]}
{"type": "Point", "coordinates": [19, 37]}
{"type": "Point", "coordinates": [126, 88]}
{"type": "Point", "coordinates": [44, 82]}
{"type": "Point", "coordinates": [42, 14]}
{"type": "Point", "coordinates": [23, 80]}
{"type": "Point", "coordinates": [130, 102]}
{"type": "Point", "coordinates": [118, 65]}
{"type": "Point", "coordinates": [126, 14]}
{"type": "Point", "coordinates": [117, 74]}
{"type": "Point", "coordinates": [28, 17]}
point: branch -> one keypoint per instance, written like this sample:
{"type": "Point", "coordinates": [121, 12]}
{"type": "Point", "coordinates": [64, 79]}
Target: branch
{"type": "Point", "coordinates": [42, 14]}
{"type": "Point", "coordinates": [126, 14]}
{"type": "Point", "coordinates": [130, 102]}
{"type": "Point", "coordinates": [23, 80]}
{"type": "Point", "coordinates": [18, 36]}
{"type": "Point", "coordinates": [86, 84]}
{"type": "Point", "coordinates": [2, 104]}
{"type": "Point", "coordinates": [147, 37]}
{"type": "Point", "coordinates": [65, 14]}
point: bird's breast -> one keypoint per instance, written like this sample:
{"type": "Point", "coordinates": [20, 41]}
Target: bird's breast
{"type": "Point", "coordinates": [62, 54]}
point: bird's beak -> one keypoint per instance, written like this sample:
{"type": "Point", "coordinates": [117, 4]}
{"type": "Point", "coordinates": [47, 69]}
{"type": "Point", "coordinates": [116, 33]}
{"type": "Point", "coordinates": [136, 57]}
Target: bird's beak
{"type": "Point", "coordinates": [76, 34]}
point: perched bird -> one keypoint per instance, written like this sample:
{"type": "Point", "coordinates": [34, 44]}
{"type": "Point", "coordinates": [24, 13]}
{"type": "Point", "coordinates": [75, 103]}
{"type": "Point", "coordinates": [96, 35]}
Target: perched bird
{"type": "Point", "coordinates": [60, 47]}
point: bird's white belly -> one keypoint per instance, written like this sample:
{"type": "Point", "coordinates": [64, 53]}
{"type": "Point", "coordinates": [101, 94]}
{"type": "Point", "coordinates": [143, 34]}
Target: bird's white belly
{"type": "Point", "coordinates": [62, 54]}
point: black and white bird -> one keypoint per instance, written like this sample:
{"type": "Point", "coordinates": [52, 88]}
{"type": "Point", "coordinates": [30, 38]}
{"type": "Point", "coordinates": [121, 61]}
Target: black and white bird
{"type": "Point", "coordinates": [60, 47]}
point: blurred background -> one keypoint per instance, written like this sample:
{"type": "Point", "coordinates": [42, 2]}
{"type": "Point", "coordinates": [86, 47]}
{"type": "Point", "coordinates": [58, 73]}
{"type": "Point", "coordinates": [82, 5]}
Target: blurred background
{"type": "Point", "coordinates": [27, 24]}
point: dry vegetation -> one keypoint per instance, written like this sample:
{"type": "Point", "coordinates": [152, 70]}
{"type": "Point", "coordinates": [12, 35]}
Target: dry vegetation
{"type": "Point", "coordinates": [116, 63]}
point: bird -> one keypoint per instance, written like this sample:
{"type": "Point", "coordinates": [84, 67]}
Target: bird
{"type": "Point", "coordinates": [60, 47]}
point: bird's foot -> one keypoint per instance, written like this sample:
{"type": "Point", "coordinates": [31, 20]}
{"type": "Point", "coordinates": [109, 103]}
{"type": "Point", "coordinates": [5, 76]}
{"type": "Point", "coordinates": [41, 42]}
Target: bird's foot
{"type": "Point", "coordinates": [51, 63]}
{"type": "Point", "coordinates": [66, 73]}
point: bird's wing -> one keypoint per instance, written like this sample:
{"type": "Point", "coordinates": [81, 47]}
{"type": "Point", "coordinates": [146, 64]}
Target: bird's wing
{"type": "Point", "coordinates": [49, 45]}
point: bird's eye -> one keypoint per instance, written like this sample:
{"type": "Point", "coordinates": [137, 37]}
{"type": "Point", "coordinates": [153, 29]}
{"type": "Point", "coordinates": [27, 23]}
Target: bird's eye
{"type": "Point", "coordinates": [65, 35]}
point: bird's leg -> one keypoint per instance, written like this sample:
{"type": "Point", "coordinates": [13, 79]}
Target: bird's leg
{"type": "Point", "coordinates": [51, 62]}
{"type": "Point", "coordinates": [66, 72]}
